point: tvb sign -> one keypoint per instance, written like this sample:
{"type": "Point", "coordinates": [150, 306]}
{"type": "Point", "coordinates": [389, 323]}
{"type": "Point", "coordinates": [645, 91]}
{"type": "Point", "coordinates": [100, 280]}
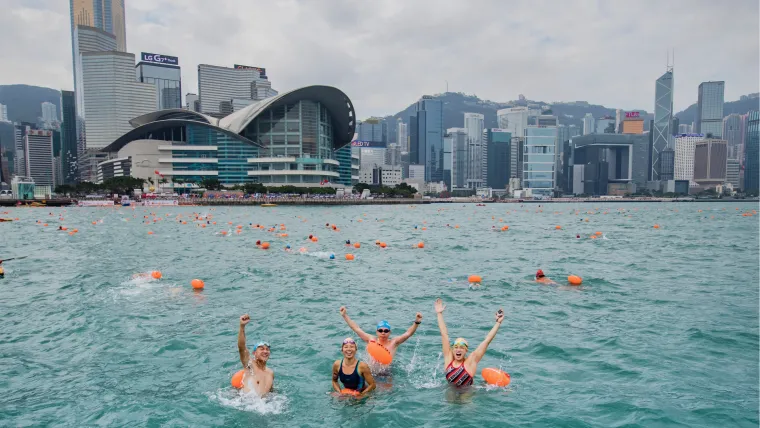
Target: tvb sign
{"type": "Point", "coordinates": [160, 59]}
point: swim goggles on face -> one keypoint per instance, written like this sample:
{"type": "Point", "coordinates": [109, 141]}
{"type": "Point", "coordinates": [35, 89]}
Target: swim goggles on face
{"type": "Point", "coordinates": [348, 340]}
{"type": "Point", "coordinates": [261, 344]}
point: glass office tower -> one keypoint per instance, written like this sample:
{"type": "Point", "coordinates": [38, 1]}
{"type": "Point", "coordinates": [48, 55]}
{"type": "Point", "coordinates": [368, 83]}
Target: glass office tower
{"type": "Point", "coordinates": [164, 72]}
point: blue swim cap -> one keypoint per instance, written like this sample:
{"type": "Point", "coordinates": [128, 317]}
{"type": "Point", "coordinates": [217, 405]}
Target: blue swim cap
{"type": "Point", "coordinates": [332, 256]}
{"type": "Point", "coordinates": [383, 324]}
{"type": "Point", "coordinates": [287, 246]}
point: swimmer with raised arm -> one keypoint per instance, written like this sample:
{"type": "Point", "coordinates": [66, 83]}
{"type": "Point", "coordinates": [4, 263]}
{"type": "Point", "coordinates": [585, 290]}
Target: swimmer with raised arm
{"type": "Point", "coordinates": [383, 332]}
{"type": "Point", "coordinates": [353, 374]}
{"type": "Point", "coordinates": [258, 377]}
{"type": "Point", "coordinates": [459, 368]}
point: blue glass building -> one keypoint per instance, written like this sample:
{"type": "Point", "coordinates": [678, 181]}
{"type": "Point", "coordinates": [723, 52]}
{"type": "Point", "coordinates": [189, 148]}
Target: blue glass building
{"type": "Point", "coordinates": [752, 153]}
{"type": "Point", "coordinates": [538, 159]}
{"type": "Point", "coordinates": [428, 137]}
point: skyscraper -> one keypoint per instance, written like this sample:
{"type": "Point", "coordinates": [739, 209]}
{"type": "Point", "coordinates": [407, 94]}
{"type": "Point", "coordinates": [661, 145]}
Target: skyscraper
{"type": "Point", "coordinates": [539, 159]}
{"type": "Point", "coordinates": [49, 112]}
{"type": "Point", "coordinates": [710, 109]}
{"type": "Point", "coordinates": [38, 155]}
{"type": "Point", "coordinates": [732, 173]}
{"type": "Point", "coordinates": [589, 125]}
{"type": "Point", "coordinates": [69, 137]}
{"type": "Point", "coordinates": [605, 125]}
{"type": "Point", "coordinates": [515, 119]}
{"type": "Point", "coordinates": [402, 135]}
{"type": "Point", "coordinates": [430, 137]}
{"type": "Point", "coordinates": [217, 85]}
{"type": "Point", "coordinates": [732, 133]}
{"type": "Point", "coordinates": [710, 162]}
{"type": "Point", "coordinates": [374, 129]}
{"type": "Point", "coordinates": [752, 153]}
{"type": "Point", "coordinates": [4, 113]}
{"type": "Point", "coordinates": [473, 125]}
{"type": "Point", "coordinates": [162, 71]}
{"type": "Point", "coordinates": [192, 102]}
{"type": "Point", "coordinates": [459, 157]}
{"type": "Point", "coordinates": [663, 120]}
{"type": "Point", "coordinates": [498, 143]}
{"type": "Point", "coordinates": [108, 15]}
{"type": "Point", "coordinates": [684, 157]}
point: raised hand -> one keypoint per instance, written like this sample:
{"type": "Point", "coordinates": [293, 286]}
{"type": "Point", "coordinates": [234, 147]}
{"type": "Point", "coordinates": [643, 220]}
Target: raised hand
{"type": "Point", "coordinates": [244, 319]}
{"type": "Point", "coordinates": [499, 316]}
{"type": "Point", "coordinates": [342, 311]}
{"type": "Point", "coordinates": [439, 306]}
{"type": "Point", "coordinates": [418, 318]}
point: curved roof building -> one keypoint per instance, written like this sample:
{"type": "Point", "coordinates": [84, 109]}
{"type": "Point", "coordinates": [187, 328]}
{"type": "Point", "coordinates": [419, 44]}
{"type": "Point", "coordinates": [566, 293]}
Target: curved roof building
{"type": "Point", "coordinates": [288, 139]}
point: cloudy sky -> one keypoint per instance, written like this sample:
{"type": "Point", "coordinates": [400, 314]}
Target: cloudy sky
{"type": "Point", "coordinates": [386, 54]}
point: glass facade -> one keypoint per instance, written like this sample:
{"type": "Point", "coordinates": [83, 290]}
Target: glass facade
{"type": "Point", "coordinates": [710, 109]}
{"type": "Point", "coordinates": [498, 172]}
{"type": "Point", "coordinates": [231, 155]}
{"type": "Point", "coordinates": [663, 120]}
{"type": "Point", "coordinates": [168, 81]}
{"type": "Point", "coordinates": [538, 160]}
{"type": "Point", "coordinates": [752, 152]}
{"type": "Point", "coordinates": [430, 137]}
{"type": "Point", "coordinates": [343, 155]}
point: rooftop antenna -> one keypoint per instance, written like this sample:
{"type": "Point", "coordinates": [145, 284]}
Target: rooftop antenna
{"type": "Point", "coordinates": [447, 86]}
{"type": "Point", "coordinates": [671, 61]}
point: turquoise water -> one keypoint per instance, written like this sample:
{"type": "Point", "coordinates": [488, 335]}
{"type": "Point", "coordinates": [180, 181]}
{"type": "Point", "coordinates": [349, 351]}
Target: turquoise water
{"type": "Point", "coordinates": [663, 331]}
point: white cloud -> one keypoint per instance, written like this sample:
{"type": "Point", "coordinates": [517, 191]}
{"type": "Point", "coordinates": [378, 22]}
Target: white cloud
{"type": "Point", "coordinates": [385, 54]}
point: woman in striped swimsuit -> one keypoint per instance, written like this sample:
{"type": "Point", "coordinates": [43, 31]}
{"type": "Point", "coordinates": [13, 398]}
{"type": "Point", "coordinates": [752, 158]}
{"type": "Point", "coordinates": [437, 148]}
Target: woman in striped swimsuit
{"type": "Point", "coordinates": [460, 368]}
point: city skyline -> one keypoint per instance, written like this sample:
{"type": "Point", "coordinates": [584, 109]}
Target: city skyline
{"type": "Point", "coordinates": [42, 57]}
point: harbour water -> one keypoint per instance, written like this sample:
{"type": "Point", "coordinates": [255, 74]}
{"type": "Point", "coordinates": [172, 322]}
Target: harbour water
{"type": "Point", "coordinates": [663, 331]}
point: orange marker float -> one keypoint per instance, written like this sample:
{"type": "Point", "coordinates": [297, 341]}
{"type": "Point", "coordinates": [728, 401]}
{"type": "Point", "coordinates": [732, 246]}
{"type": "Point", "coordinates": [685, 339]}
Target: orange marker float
{"type": "Point", "coordinates": [496, 377]}
{"type": "Point", "coordinates": [379, 352]}
{"type": "Point", "coordinates": [383, 245]}
{"type": "Point", "coordinates": [156, 274]}
{"type": "Point", "coordinates": [558, 227]}
{"type": "Point", "coordinates": [237, 379]}
{"type": "Point", "coordinates": [197, 284]}
{"type": "Point", "coordinates": [349, 256]}
{"type": "Point", "coordinates": [575, 280]}
{"type": "Point", "coordinates": [357, 245]}
{"type": "Point", "coordinates": [265, 245]}
{"type": "Point", "coordinates": [346, 391]}
{"type": "Point", "coordinates": [420, 245]}
{"type": "Point", "coordinates": [474, 279]}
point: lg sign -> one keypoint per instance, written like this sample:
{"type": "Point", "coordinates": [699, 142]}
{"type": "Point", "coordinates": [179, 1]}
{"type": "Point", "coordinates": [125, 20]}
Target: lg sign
{"type": "Point", "coordinates": [630, 114]}
{"type": "Point", "coordinates": [160, 59]}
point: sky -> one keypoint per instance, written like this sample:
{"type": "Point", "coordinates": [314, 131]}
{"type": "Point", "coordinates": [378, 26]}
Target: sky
{"type": "Point", "coordinates": [386, 54]}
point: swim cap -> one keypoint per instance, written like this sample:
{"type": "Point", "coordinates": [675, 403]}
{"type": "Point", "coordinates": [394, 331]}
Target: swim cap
{"type": "Point", "coordinates": [383, 324]}
{"type": "Point", "coordinates": [287, 246]}
{"type": "Point", "coordinates": [348, 340]}
{"type": "Point", "coordinates": [539, 273]}
{"type": "Point", "coordinates": [261, 344]}
{"type": "Point", "coordinates": [461, 342]}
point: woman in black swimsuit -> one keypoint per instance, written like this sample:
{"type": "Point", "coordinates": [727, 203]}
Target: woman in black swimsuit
{"type": "Point", "coordinates": [353, 374]}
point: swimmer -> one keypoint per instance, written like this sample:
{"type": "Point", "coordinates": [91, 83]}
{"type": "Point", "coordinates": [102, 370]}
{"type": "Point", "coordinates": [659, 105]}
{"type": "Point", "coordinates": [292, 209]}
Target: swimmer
{"type": "Point", "coordinates": [258, 377]}
{"type": "Point", "coordinates": [258, 243]}
{"type": "Point", "coordinates": [360, 377]}
{"type": "Point", "coordinates": [383, 332]}
{"type": "Point", "coordinates": [348, 242]}
{"type": "Point", "coordinates": [541, 278]}
{"type": "Point", "coordinates": [459, 369]}
{"type": "Point", "coordinates": [287, 248]}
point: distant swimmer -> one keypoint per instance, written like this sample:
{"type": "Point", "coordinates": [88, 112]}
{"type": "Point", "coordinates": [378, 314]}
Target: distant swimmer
{"type": "Point", "coordinates": [348, 242]}
{"type": "Point", "coordinates": [258, 377]}
{"type": "Point", "coordinates": [383, 332]}
{"type": "Point", "coordinates": [459, 368]}
{"type": "Point", "coordinates": [541, 278]}
{"type": "Point", "coordinates": [353, 374]}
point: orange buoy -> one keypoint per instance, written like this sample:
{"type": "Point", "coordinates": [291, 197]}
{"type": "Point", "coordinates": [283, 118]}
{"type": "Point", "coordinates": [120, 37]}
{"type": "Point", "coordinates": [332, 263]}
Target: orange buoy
{"type": "Point", "coordinates": [496, 377]}
{"type": "Point", "coordinates": [558, 227]}
{"type": "Point", "coordinates": [505, 228]}
{"type": "Point", "coordinates": [379, 352]}
{"type": "Point", "coordinates": [420, 245]}
{"type": "Point", "coordinates": [197, 284]}
{"type": "Point", "coordinates": [656, 226]}
{"type": "Point", "coordinates": [456, 226]}
{"type": "Point", "coordinates": [598, 233]}
{"type": "Point", "coordinates": [71, 233]}
{"type": "Point", "coordinates": [357, 245]}
{"type": "Point", "coordinates": [314, 239]}
{"type": "Point", "coordinates": [383, 245]}
{"type": "Point", "coordinates": [349, 256]}
{"type": "Point", "coordinates": [265, 245]}
{"type": "Point", "coordinates": [593, 236]}
{"type": "Point", "coordinates": [237, 379]}
{"type": "Point", "coordinates": [150, 232]}
{"type": "Point", "coordinates": [75, 230]}
{"type": "Point", "coordinates": [156, 274]}
{"type": "Point", "coordinates": [474, 279]}
{"type": "Point", "coordinates": [574, 280]}
{"type": "Point", "coordinates": [346, 391]}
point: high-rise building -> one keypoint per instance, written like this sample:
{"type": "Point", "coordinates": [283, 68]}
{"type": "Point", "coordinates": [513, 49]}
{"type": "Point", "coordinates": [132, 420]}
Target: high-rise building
{"type": "Point", "coordinates": [710, 162]}
{"type": "Point", "coordinates": [222, 84]}
{"type": "Point", "coordinates": [69, 137]}
{"type": "Point", "coordinates": [4, 113]}
{"type": "Point", "coordinates": [515, 119]}
{"type": "Point", "coordinates": [684, 128]}
{"type": "Point", "coordinates": [192, 102]}
{"type": "Point", "coordinates": [473, 125]}
{"type": "Point", "coordinates": [618, 119]}
{"type": "Point", "coordinates": [667, 164]}
{"type": "Point", "coordinates": [112, 97]}
{"type": "Point", "coordinates": [459, 157]}
{"type": "Point", "coordinates": [402, 135]}
{"type": "Point", "coordinates": [414, 141]}
{"type": "Point", "coordinates": [107, 15]}
{"type": "Point", "coordinates": [164, 72]}
{"type": "Point", "coordinates": [710, 109]}
{"type": "Point", "coordinates": [732, 133]}
{"type": "Point", "coordinates": [633, 123]}
{"type": "Point", "coordinates": [732, 173]}
{"type": "Point", "coordinates": [393, 155]}
{"type": "Point", "coordinates": [663, 120]}
{"type": "Point", "coordinates": [683, 168]}
{"type": "Point", "coordinates": [374, 129]}
{"type": "Point", "coordinates": [49, 112]}
{"type": "Point", "coordinates": [38, 155]}
{"type": "Point", "coordinates": [589, 125]}
{"type": "Point", "coordinates": [599, 161]}
{"type": "Point", "coordinates": [605, 125]}
{"type": "Point", "coordinates": [498, 142]}
{"type": "Point", "coordinates": [539, 160]}
{"type": "Point", "coordinates": [448, 147]}
{"type": "Point", "coordinates": [752, 153]}
{"type": "Point", "coordinates": [19, 137]}
{"type": "Point", "coordinates": [429, 139]}
{"type": "Point", "coordinates": [516, 151]}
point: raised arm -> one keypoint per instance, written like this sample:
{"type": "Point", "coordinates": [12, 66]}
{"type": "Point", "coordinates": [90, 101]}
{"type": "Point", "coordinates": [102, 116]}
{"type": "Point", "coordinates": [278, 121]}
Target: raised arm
{"type": "Point", "coordinates": [403, 338]}
{"type": "Point", "coordinates": [367, 374]}
{"type": "Point", "coordinates": [446, 345]}
{"type": "Point", "coordinates": [354, 326]}
{"type": "Point", "coordinates": [244, 355]}
{"type": "Point", "coordinates": [336, 367]}
{"type": "Point", "coordinates": [478, 353]}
